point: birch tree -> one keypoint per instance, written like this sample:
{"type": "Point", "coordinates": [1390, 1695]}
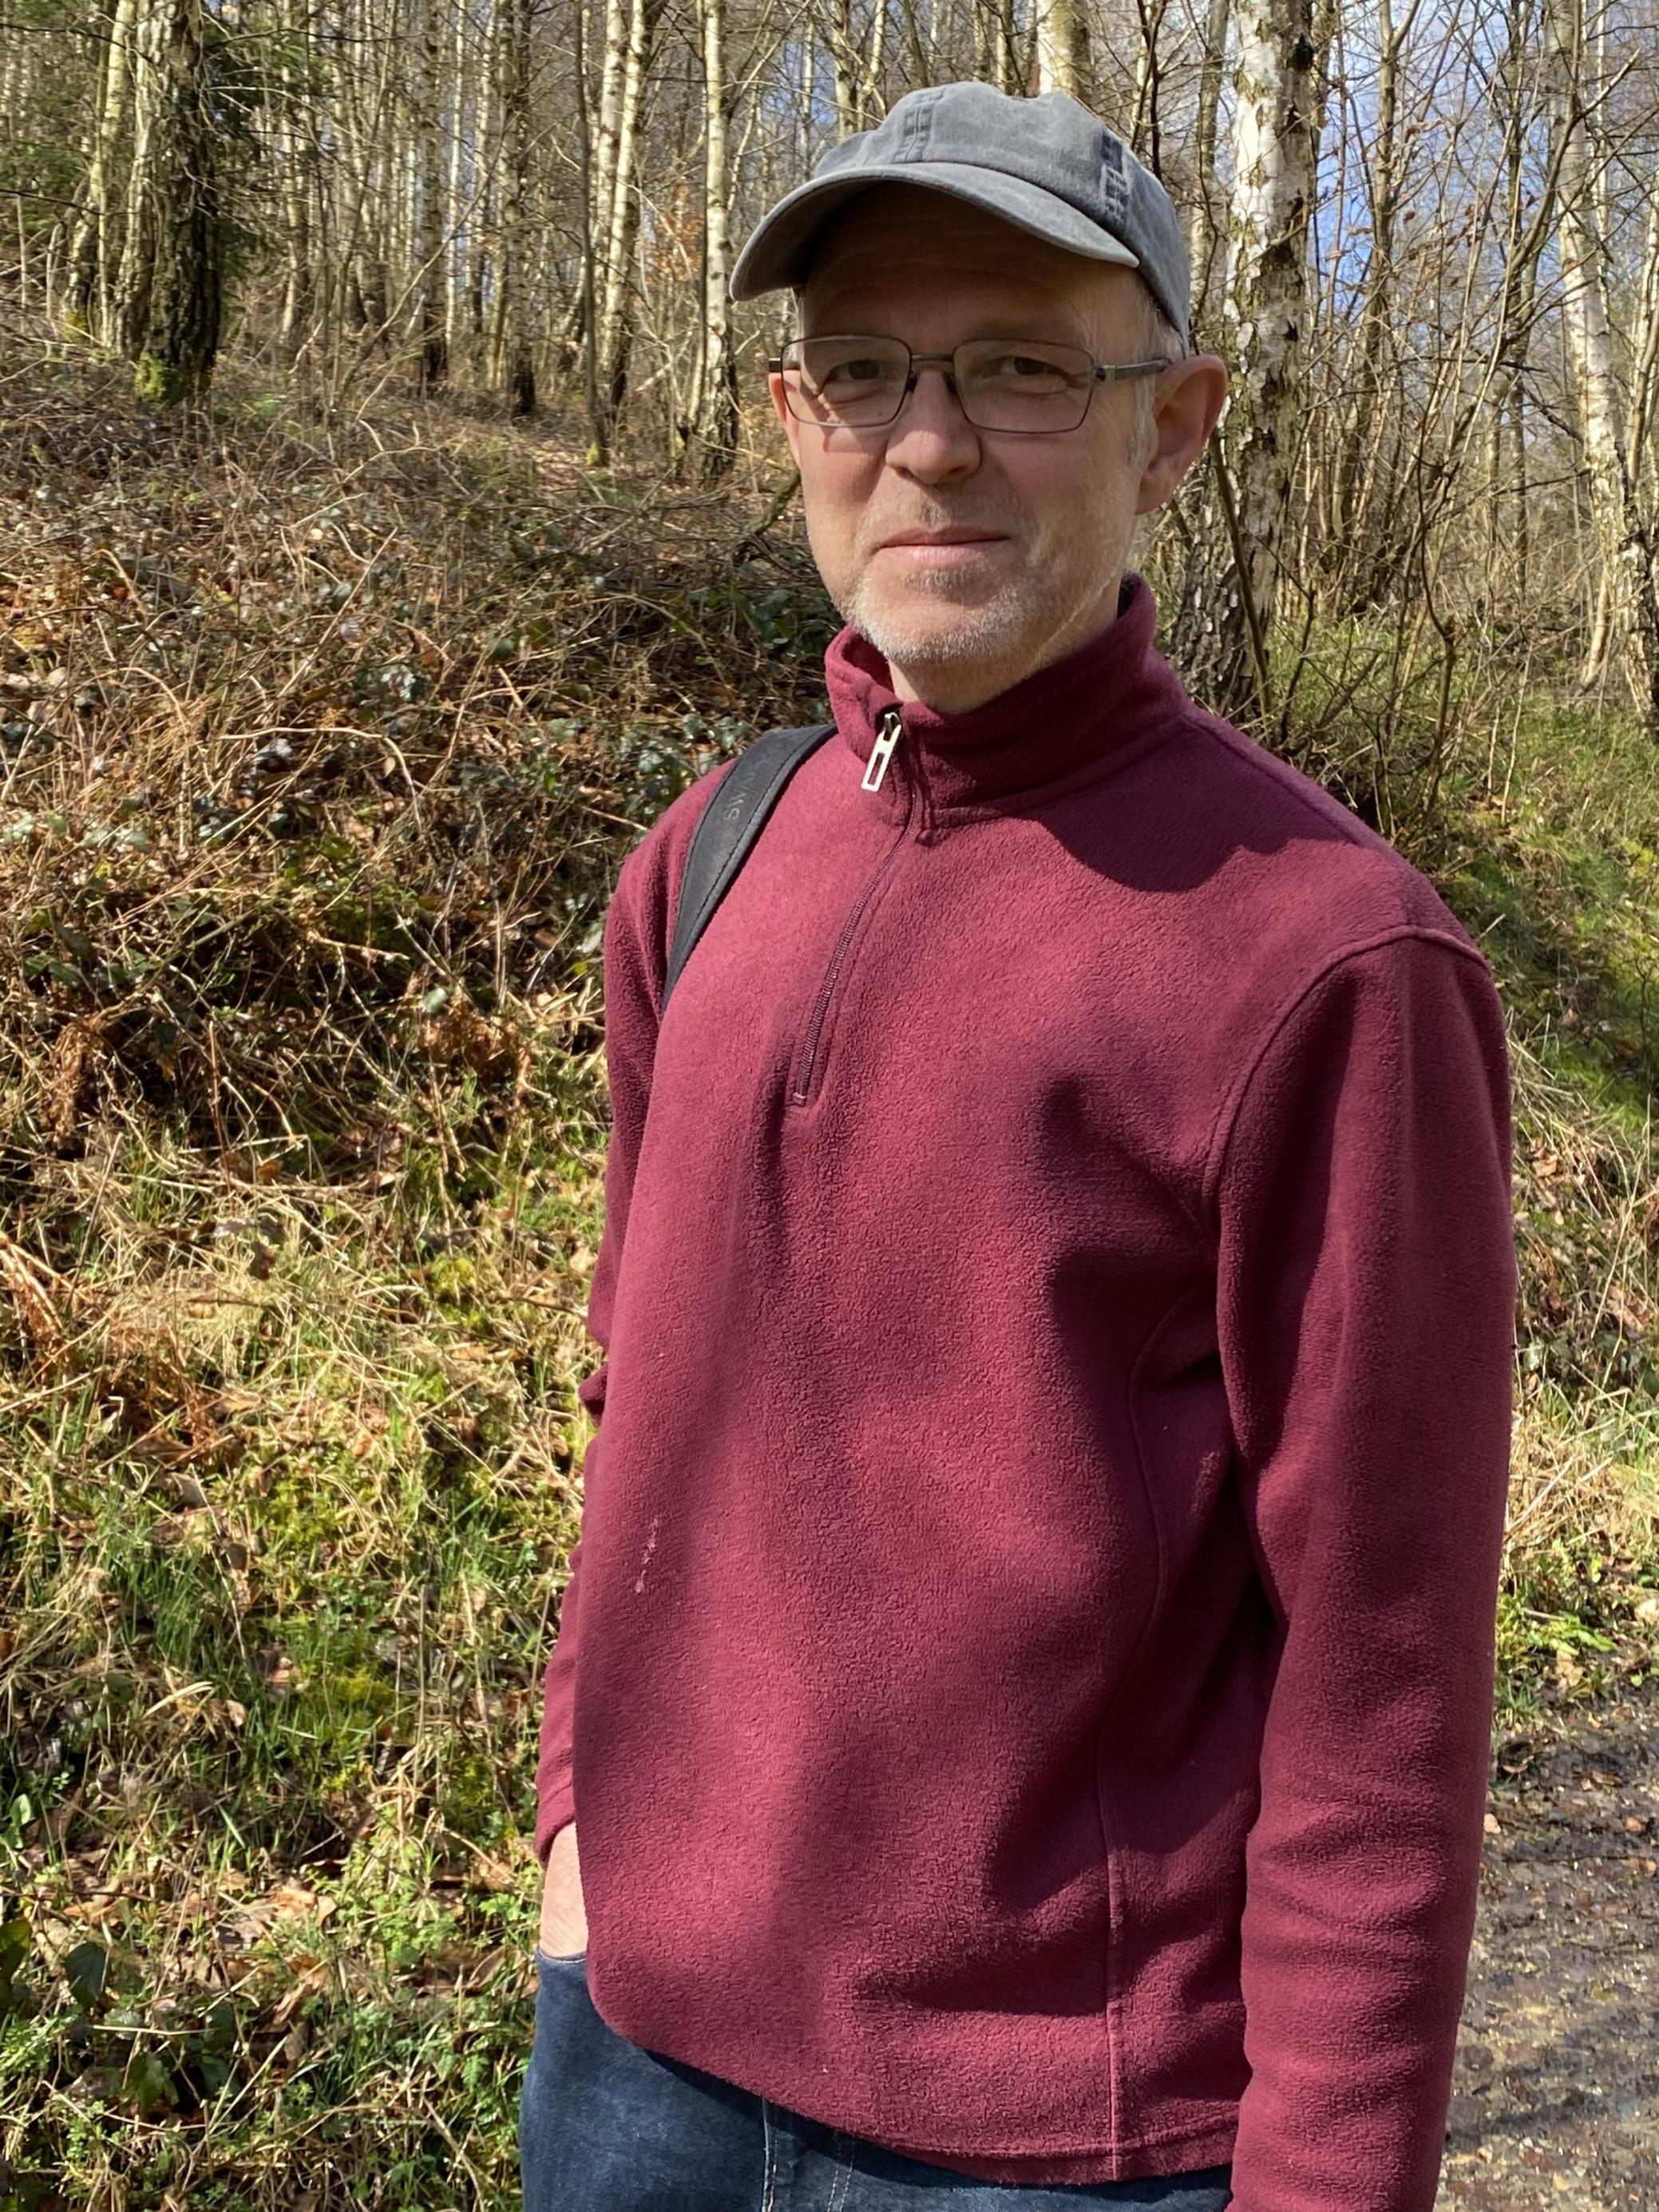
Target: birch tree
{"type": "Point", "coordinates": [1279, 90]}
{"type": "Point", "coordinates": [622, 213]}
{"type": "Point", "coordinates": [128, 308]}
{"type": "Point", "coordinates": [1062, 48]}
{"type": "Point", "coordinates": [91, 262]}
{"type": "Point", "coordinates": [606, 138]}
{"type": "Point", "coordinates": [1627, 608]}
{"type": "Point", "coordinates": [714, 422]}
{"type": "Point", "coordinates": [1207, 229]}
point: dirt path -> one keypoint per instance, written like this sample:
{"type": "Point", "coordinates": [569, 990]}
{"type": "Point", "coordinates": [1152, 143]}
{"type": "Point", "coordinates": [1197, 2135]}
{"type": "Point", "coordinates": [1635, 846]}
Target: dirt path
{"type": "Point", "coordinates": [1556, 2100]}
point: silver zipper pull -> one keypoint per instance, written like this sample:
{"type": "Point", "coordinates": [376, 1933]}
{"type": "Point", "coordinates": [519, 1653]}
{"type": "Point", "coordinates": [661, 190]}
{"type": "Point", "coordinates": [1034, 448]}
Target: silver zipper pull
{"type": "Point", "coordinates": [888, 733]}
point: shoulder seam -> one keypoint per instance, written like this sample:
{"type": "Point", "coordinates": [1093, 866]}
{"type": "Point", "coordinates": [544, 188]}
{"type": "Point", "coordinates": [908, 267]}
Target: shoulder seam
{"type": "Point", "coordinates": [1227, 1112]}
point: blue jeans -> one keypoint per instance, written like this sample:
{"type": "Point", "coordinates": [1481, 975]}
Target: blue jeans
{"type": "Point", "coordinates": [606, 2127]}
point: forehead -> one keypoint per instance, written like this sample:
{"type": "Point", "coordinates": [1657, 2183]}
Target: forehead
{"type": "Point", "coordinates": [901, 253]}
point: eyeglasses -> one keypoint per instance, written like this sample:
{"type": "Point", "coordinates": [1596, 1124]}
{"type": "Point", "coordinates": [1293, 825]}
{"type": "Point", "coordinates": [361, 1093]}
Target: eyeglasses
{"type": "Point", "coordinates": [1020, 386]}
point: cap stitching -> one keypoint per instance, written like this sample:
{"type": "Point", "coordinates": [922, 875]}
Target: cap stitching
{"type": "Point", "coordinates": [1114, 186]}
{"type": "Point", "coordinates": [919, 125]}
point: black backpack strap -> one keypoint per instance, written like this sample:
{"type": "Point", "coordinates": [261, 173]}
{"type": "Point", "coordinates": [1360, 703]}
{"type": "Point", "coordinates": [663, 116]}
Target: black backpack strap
{"type": "Point", "coordinates": [726, 830]}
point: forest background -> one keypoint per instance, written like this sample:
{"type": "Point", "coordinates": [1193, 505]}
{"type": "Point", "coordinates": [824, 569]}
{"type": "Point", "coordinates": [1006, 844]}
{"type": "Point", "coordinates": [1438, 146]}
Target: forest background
{"type": "Point", "coordinates": [392, 525]}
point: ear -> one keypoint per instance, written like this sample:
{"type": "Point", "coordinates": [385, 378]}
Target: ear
{"type": "Point", "coordinates": [1187, 402]}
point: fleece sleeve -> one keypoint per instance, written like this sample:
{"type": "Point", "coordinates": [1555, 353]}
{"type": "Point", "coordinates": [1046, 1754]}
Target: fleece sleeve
{"type": "Point", "coordinates": [1366, 1309]}
{"type": "Point", "coordinates": [632, 987]}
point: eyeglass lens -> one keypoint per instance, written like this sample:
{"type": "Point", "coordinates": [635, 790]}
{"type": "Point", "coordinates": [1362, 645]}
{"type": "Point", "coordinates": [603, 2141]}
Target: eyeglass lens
{"type": "Point", "coordinates": [860, 383]}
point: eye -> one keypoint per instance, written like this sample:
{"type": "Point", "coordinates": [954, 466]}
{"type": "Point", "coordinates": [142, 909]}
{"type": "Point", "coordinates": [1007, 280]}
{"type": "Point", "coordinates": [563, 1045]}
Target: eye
{"type": "Point", "coordinates": [1029, 370]}
{"type": "Point", "coordinates": [860, 369]}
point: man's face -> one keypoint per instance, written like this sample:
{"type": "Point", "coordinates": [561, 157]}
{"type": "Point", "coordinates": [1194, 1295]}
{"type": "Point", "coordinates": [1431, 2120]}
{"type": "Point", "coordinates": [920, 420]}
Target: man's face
{"type": "Point", "coordinates": [970, 557]}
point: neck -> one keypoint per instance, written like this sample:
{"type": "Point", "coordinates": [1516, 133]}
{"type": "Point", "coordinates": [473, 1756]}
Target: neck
{"type": "Point", "coordinates": [956, 687]}
{"type": "Point", "coordinates": [1113, 690]}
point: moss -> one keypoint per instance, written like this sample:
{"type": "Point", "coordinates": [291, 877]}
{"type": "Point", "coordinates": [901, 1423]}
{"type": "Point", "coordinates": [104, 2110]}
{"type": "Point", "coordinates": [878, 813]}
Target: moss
{"type": "Point", "coordinates": [161, 383]}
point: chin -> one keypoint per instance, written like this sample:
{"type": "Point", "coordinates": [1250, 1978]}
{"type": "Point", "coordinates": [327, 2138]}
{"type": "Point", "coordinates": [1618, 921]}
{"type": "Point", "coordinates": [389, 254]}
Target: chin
{"type": "Point", "coordinates": [933, 635]}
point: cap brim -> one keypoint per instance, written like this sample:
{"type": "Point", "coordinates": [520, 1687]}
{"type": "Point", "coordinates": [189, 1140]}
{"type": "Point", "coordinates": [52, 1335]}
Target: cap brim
{"type": "Point", "coordinates": [780, 250]}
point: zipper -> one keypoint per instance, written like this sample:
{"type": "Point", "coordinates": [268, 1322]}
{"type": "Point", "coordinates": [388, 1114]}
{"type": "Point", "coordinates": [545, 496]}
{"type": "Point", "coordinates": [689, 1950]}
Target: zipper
{"type": "Point", "coordinates": [888, 732]}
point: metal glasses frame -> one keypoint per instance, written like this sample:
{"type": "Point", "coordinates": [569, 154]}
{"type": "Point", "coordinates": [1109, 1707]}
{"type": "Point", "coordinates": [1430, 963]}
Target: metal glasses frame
{"type": "Point", "coordinates": [1107, 371]}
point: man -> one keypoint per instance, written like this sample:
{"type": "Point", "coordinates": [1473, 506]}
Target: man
{"type": "Point", "coordinates": [1025, 1689]}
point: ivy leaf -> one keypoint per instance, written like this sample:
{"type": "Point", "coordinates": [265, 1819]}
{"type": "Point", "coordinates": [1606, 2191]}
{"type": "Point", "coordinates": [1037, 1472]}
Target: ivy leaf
{"type": "Point", "coordinates": [149, 2084]}
{"type": "Point", "coordinates": [87, 1971]}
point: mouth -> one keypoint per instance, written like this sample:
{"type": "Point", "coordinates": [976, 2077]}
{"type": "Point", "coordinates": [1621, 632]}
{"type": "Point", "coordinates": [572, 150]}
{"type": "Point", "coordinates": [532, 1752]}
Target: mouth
{"type": "Point", "coordinates": [936, 541]}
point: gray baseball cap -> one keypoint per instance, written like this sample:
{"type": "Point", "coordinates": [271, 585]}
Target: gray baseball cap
{"type": "Point", "coordinates": [1046, 165]}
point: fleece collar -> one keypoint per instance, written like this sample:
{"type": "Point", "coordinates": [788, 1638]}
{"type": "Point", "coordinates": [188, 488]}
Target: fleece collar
{"type": "Point", "coordinates": [1078, 710]}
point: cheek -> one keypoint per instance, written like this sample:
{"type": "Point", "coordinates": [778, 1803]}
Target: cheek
{"type": "Point", "coordinates": [836, 483]}
{"type": "Point", "coordinates": [1075, 491]}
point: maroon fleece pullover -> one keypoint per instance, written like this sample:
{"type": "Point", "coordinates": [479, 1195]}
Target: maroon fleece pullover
{"type": "Point", "coordinates": [1024, 1685]}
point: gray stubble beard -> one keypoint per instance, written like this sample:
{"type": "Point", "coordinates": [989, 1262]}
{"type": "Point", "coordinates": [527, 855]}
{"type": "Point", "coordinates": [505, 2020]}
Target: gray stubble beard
{"type": "Point", "coordinates": [991, 632]}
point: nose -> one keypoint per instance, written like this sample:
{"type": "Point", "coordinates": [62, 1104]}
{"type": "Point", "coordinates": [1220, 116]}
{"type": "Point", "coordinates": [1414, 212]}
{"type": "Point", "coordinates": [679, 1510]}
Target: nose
{"type": "Point", "coordinates": [932, 440]}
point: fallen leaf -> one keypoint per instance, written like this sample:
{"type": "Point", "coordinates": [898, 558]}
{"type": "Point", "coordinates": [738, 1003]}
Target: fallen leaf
{"type": "Point", "coordinates": [290, 1896]}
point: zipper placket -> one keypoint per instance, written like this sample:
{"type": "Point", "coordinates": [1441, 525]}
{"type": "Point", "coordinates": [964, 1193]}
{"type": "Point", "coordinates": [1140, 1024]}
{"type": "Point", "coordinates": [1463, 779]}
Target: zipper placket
{"type": "Point", "coordinates": [889, 731]}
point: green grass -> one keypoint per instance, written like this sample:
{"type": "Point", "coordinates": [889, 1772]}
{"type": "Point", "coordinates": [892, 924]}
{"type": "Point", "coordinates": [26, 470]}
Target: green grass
{"type": "Point", "coordinates": [272, 1702]}
{"type": "Point", "coordinates": [1554, 864]}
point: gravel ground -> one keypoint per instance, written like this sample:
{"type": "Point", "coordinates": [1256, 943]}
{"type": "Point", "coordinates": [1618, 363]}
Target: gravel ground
{"type": "Point", "coordinates": [1556, 2100]}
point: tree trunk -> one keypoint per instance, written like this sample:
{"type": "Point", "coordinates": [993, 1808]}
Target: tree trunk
{"type": "Point", "coordinates": [485, 254]}
{"type": "Point", "coordinates": [1147, 120]}
{"type": "Point", "coordinates": [427, 229]}
{"type": "Point", "coordinates": [129, 310]}
{"type": "Point", "coordinates": [1644, 384]}
{"type": "Point", "coordinates": [295, 175]}
{"type": "Point", "coordinates": [1207, 234]}
{"type": "Point", "coordinates": [716, 421]}
{"type": "Point", "coordinates": [1364, 564]}
{"type": "Point", "coordinates": [181, 337]}
{"type": "Point", "coordinates": [606, 140]}
{"type": "Point", "coordinates": [586, 326]}
{"type": "Point", "coordinates": [1008, 72]}
{"type": "Point", "coordinates": [516, 368]}
{"type": "Point", "coordinates": [1061, 48]}
{"type": "Point", "coordinates": [459, 219]}
{"type": "Point", "coordinates": [1225, 628]}
{"type": "Point", "coordinates": [1627, 612]}
{"type": "Point", "coordinates": [617, 259]}
{"type": "Point", "coordinates": [91, 253]}
{"type": "Point", "coordinates": [856, 62]}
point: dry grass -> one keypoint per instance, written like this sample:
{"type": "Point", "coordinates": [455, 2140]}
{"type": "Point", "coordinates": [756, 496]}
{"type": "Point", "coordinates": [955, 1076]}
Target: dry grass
{"type": "Point", "coordinates": [1582, 1585]}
